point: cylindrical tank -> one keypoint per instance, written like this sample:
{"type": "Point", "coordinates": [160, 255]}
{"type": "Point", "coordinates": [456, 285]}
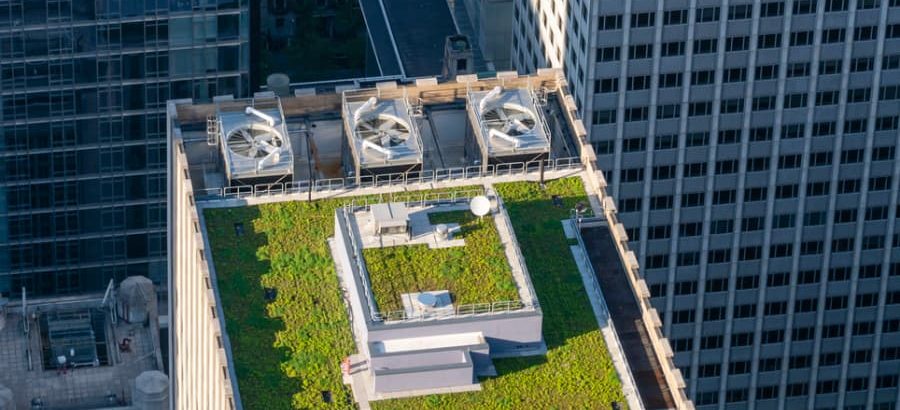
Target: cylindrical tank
{"type": "Point", "coordinates": [443, 232]}
{"type": "Point", "coordinates": [279, 83]}
{"type": "Point", "coordinates": [151, 391]}
{"type": "Point", "coordinates": [6, 399]}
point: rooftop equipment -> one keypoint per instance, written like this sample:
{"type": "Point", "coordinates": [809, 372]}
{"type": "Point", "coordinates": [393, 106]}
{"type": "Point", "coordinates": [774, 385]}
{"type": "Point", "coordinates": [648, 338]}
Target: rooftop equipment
{"type": "Point", "coordinates": [390, 218]}
{"type": "Point", "coordinates": [255, 143]}
{"type": "Point", "coordinates": [508, 125]}
{"type": "Point", "coordinates": [382, 135]}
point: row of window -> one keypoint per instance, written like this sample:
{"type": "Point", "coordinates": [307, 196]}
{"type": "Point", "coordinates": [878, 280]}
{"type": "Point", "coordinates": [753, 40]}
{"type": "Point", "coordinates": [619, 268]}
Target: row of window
{"type": "Point", "coordinates": [800, 389]}
{"type": "Point", "coordinates": [741, 43]}
{"type": "Point", "coordinates": [735, 12]}
{"type": "Point", "coordinates": [757, 134]}
{"type": "Point", "coordinates": [779, 279]}
{"type": "Point", "coordinates": [797, 334]}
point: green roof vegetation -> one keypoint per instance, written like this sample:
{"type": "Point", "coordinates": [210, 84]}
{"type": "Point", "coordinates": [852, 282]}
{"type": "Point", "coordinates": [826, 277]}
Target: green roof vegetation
{"type": "Point", "coordinates": [577, 371]}
{"type": "Point", "coordinates": [477, 272]}
{"type": "Point", "coordinates": [287, 351]}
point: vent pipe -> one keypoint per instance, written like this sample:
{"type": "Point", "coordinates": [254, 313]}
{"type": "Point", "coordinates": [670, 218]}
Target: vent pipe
{"type": "Point", "coordinates": [261, 115]}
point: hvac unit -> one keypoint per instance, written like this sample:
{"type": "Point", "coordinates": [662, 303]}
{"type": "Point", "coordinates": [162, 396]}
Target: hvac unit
{"type": "Point", "coordinates": [382, 136]}
{"type": "Point", "coordinates": [508, 125]}
{"type": "Point", "coordinates": [255, 144]}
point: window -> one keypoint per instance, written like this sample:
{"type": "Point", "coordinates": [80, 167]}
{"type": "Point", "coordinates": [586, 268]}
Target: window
{"type": "Point", "coordinates": [865, 33]}
{"type": "Point", "coordinates": [675, 48]}
{"type": "Point", "coordinates": [767, 72]}
{"type": "Point", "coordinates": [725, 167]}
{"type": "Point", "coordinates": [707, 14]}
{"type": "Point", "coordinates": [798, 70]}
{"type": "Point", "coordinates": [801, 38]}
{"type": "Point", "coordinates": [737, 43]}
{"type": "Point", "coordinates": [640, 51]}
{"type": "Point", "coordinates": [669, 80]}
{"type": "Point", "coordinates": [834, 35]}
{"type": "Point", "coordinates": [792, 131]}
{"type": "Point", "coordinates": [740, 12]}
{"type": "Point", "coordinates": [740, 340]}
{"type": "Point", "coordinates": [700, 108]}
{"type": "Point", "coordinates": [891, 62]}
{"type": "Point", "coordinates": [692, 199]}
{"type": "Point", "coordinates": [729, 137]}
{"type": "Point", "coordinates": [758, 164]}
{"type": "Point", "coordinates": [745, 311]}
{"type": "Point", "coordinates": [722, 226]}
{"type": "Point", "coordinates": [703, 77]}
{"type": "Point", "coordinates": [891, 92]}
{"type": "Point", "coordinates": [848, 186]}
{"type": "Point", "coordinates": [835, 5]}
{"type": "Point", "coordinates": [705, 46]}
{"type": "Point", "coordinates": [862, 64]}
{"type": "Point", "coordinates": [829, 67]}
{"type": "Point", "coordinates": [696, 169]}
{"type": "Point", "coordinates": [606, 85]}
{"type": "Point", "coordinates": [769, 41]}
{"type": "Point", "coordinates": [821, 129]}
{"type": "Point", "coordinates": [755, 194]}
{"type": "Point", "coordinates": [661, 202]}
{"type": "Point", "coordinates": [712, 314]}
{"type": "Point", "coordinates": [609, 22]}
{"type": "Point", "coordinates": [771, 9]}
{"type": "Point", "coordinates": [777, 279]}
{"type": "Point", "coordinates": [716, 285]}
{"type": "Point", "coordinates": [689, 229]}
{"type": "Point", "coordinates": [673, 17]}
{"type": "Point", "coordinates": [697, 139]}
{"type": "Point", "coordinates": [795, 100]}
{"type": "Point", "coordinates": [608, 54]}
{"type": "Point", "coordinates": [639, 20]}
{"type": "Point", "coordinates": [734, 75]}
{"type": "Point", "coordinates": [629, 204]}
{"type": "Point", "coordinates": [805, 6]}
{"type": "Point", "coordinates": [604, 117]}
{"type": "Point", "coordinates": [761, 134]}
{"type": "Point", "coordinates": [735, 105]}
{"type": "Point", "coordinates": [641, 82]}
{"type": "Point", "coordinates": [827, 97]}
{"type": "Point", "coordinates": [883, 153]}
{"type": "Point", "coordinates": [632, 175]}
{"type": "Point", "coordinates": [664, 142]}
{"type": "Point", "coordinates": [764, 103]}
{"type": "Point", "coordinates": [636, 114]}
{"type": "Point", "coordinates": [634, 144]}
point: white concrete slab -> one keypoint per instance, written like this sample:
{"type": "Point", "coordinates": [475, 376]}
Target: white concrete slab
{"type": "Point", "coordinates": [568, 228]}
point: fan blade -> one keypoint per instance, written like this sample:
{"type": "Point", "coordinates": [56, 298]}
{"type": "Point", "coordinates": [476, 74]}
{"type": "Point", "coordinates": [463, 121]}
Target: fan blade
{"type": "Point", "coordinates": [502, 114]}
{"type": "Point", "coordinates": [246, 135]}
{"type": "Point", "coordinates": [519, 116]}
{"type": "Point", "coordinates": [367, 126]}
{"type": "Point", "coordinates": [263, 137]}
{"type": "Point", "coordinates": [387, 125]}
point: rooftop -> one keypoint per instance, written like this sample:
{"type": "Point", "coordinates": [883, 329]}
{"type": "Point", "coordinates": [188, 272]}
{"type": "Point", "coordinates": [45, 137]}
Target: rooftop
{"type": "Point", "coordinates": [285, 296]}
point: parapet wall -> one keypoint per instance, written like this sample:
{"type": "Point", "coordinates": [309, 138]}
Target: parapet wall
{"type": "Point", "coordinates": [201, 377]}
{"type": "Point", "coordinates": [597, 185]}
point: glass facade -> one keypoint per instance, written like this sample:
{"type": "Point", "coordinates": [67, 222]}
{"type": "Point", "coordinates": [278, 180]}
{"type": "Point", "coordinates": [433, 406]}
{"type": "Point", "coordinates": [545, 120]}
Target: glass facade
{"type": "Point", "coordinates": [83, 90]}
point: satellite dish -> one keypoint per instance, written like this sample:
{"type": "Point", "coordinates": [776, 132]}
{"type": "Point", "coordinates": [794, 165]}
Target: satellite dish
{"type": "Point", "coordinates": [480, 205]}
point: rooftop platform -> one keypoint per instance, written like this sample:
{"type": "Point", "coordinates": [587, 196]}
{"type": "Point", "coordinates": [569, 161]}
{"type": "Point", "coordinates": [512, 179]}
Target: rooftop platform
{"type": "Point", "coordinates": [286, 297]}
{"type": "Point", "coordinates": [29, 367]}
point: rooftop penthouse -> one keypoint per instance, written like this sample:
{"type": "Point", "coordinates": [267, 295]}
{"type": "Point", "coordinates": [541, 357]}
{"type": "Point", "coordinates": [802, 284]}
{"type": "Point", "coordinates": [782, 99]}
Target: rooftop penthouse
{"type": "Point", "coordinates": [424, 249]}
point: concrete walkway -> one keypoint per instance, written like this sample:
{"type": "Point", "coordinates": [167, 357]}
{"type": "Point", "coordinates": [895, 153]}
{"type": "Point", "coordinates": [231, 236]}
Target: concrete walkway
{"type": "Point", "coordinates": [606, 326]}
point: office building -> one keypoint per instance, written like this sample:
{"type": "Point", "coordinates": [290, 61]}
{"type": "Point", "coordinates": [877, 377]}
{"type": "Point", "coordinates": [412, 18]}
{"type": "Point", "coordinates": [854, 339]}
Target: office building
{"type": "Point", "coordinates": [83, 90]}
{"type": "Point", "coordinates": [751, 146]}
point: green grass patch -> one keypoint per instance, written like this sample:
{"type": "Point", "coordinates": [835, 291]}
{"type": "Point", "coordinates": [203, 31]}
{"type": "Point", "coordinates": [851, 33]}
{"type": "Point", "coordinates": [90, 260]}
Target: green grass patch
{"type": "Point", "coordinates": [286, 352]}
{"type": "Point", "coordinates": [474, 273]}
{"type": "Point", "coordinates": [577, 372]}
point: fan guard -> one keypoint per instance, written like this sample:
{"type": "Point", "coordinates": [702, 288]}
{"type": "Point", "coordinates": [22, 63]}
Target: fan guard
{"type": "Point", "coordinates": [509, 119]}
{"type": "Point", "coordinates": [383, 130]}
{"type": "Point", "coordinates": [255, 142]}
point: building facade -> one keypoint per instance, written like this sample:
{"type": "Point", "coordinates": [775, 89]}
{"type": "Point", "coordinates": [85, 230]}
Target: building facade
{"type": "Point", "coordinates": [752, 149]}
{"type": "Point", "coordinates": [83, 91]}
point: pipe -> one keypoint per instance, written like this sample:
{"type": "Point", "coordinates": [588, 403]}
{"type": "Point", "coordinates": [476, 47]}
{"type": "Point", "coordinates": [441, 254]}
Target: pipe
{"type": "Point", "coordinates": [371, 145]}
{"type": "Point", "coordinates": [261, 115]}
{"type": "Point", "coordinates": [504, 136]}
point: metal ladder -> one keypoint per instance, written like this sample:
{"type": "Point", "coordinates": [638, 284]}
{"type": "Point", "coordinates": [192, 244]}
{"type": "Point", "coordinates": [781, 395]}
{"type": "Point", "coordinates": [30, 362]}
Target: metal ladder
{"type": "Point", "coordinates": [212, 130]}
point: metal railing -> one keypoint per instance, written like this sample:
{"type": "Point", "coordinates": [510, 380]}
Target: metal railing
{"type": "Point", "coordinates": [397, 179]}
{"type": "Point", "coordinates": [470, 310]}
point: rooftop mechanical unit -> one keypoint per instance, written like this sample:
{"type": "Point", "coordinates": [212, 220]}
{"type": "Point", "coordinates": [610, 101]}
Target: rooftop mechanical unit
{"type": "Point", "coordinates": [382, 136]}
{"type": "Point", "coordinates": [508, 125]}
{"type": "Point", "coordinates": [255, 143]}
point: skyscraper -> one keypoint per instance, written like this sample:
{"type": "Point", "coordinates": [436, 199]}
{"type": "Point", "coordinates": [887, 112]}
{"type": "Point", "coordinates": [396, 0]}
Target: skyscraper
{"type": "Point", "coordinates": [83, 91]}
{"type": "Point", "coordinates": [752, 148]}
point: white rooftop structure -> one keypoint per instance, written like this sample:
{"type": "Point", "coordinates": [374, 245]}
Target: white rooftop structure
{"type": "Point", "coordinates": [507, 122]}
{"type": "Point", "coordinates": [390, 218]}
{"type": "Point", "coordinates": [254, 141]}
{"type": "Point", "coordinates": [381, 132]}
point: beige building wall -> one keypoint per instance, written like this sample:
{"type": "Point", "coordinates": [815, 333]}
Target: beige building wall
{"type": "Point", "coordinates": [198, 359]}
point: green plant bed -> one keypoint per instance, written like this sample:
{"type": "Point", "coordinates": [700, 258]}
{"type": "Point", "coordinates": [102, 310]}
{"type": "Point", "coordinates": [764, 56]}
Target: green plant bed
{"type": "Point", "coordinates": [286, 352]}
{"type": "Point", "coordinates": [477, 272]}
{"type": "Point", "coordinates": [577, 371]}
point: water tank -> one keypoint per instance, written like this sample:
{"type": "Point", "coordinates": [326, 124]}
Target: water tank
{"type": "Point", "coordinates": [6, 399]}
{"type": "Point", "coordinates": [151, 391]}
{"type": "Point", "coordinates": [279, 83]}
{"type": "Point", "coordinates": [443, 232]}
{"type": "Point", "coordinates": [133, 300]}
